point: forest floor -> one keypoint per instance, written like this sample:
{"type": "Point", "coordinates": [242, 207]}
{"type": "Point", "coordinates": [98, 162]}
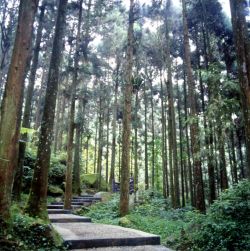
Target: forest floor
{"type": "Point", "coordinates": [80, 234]}
{"type": "Point", "coordinates": [225, 226]}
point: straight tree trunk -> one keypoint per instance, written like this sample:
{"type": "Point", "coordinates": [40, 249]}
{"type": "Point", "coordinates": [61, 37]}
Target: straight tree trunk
{"type": "Point", "coordinates": [146, 137]}
{"type": "Point", "coordinates": [124, 188]}
{"type": "Point", "coordinates": [114, 125]}
{"type": "Point", "coordinates": [173, 161]}
{"type": "Point", "coordinates": [153, 135]}
{"type": "Point", "coordinates": [163, 143]}
{"type": "Point", "coordinates": [70, 138]}
{"type": "Point", "coordinates": [87, 155]}
{"type": "Point", "coordinates": [242, 44]}
{"type": "Point", "coordinates": [181, 147]}
{"type": "Point", "coordinates": [198, 179]}
{"type": "Point", "coordinates": [136, 172]}
{"type": "Point", "coordinates": [11, 107]}
{"type": "Point", "coordinates": [76, 183]}
{"type": "Point", "coordinates": [95, 153]}
{"type": "Point", "coordinates": [37, 202]}
{"type": "Point", "coordinates": [107, 150]}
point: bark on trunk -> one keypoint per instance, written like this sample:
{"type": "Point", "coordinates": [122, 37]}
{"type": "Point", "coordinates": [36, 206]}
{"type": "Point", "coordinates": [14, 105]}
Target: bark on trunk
{"type": "Point", "coordinates": [198, 179]}
{"type": "Point", "coordinates": [70, 139]}
{"type": "Point", "coordinates": [242, 44]}
{"type": "Point", "coordinates": [37, 202]}
{"type": "Point", "coordinates": [11, 107]}
{"type": "Point", "coordinates": [124, 189]}
{"type": "Point", "coordinates": [114, 125]}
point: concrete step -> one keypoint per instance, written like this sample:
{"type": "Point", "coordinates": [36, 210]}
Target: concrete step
{"type": "Point", "coordinates": [67, 218]}
{"type": "Point", "coordinates": [59, 211]}
{"type": "Point", "coordinates": [73, 203]}
{"type": "Point", "coordinates": [61, 206]}
{"type": "Point", "coordinates": [84, 196]}
{"type": "Point", "coordinates": [128, 248]}
{"type": "Point", "coordinates": [86, 199]}
{"type": "Point", "coordinates": [91, 235]}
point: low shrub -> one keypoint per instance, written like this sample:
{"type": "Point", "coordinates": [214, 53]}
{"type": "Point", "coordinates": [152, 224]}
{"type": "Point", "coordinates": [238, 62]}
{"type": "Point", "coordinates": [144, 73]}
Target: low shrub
{"type": "Point", "coordinates": [29, 234]}
{"type": "Point", "coordinates": [226, 225]}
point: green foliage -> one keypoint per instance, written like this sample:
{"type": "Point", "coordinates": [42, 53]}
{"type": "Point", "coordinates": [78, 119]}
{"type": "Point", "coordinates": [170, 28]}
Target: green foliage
{"type": "Point", "coordinates": [55, 191]}
{"type": "Point", "coordinates": [150, 214]}
{"type": "Point", "coordinates": [91, 181]}
{"type": "Point", "coordinates": [29, 234]}
{"type": "Point", "coordinates": [226, 225]}
{"type": "Point", "coordinates": [27, 130]}
{"type": "Point", "coordinates": [57, 173]}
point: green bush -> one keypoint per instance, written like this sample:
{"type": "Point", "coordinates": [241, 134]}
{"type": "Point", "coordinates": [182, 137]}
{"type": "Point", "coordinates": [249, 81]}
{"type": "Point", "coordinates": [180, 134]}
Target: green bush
{"type": "Point", "coordinates": [29, 234]}
{"type": "Point", "coordinates": [226, 225]}
{"type": "Point", "coordinates": [57, 174]}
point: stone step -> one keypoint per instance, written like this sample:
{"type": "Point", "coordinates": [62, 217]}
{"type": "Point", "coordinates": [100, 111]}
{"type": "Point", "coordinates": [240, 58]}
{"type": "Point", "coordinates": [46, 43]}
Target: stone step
{"type": "Point", "coordinates": [59, 211]}
{"type": "Point", "coordinates": [61, 206]}
{"type": "Point", "coordinates": [91, 235]}
{"type": "Point", "coordinates": [84, 196]}
{"type": "Point", "coordinates": [73, 203]}
{"type": "Point", "coordinates": [128, 248]}
{"type": "Point", "coordinates": [86, 199]}
{"type": "Point", "coordinates": [67, 218]}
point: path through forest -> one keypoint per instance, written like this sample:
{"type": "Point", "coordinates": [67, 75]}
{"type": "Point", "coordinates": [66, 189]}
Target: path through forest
{"type": "Point", "coordinates": [79, 233]}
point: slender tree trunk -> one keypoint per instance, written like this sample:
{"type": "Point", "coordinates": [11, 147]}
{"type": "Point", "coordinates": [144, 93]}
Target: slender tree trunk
{"type": "Point", "coordinates": [163, 143]}
{"type": "Point", "coordinates": [234, 162]}
{"type": "Point", "coordinates": [11, 108]}
{"type": "Point", "coordinates": [37, 202]}
{"type": "Point", "coordinates": [242, 44]}
{"type": "Point", "coordinates": [114, 125]}
{"type": "Point", "coordinates": [57, 121]}
{"type": "Point", "coordinates": [107, 150]}
{"type": "Point", "coordinates": [181, 147]}
{"type": "Point", "coordinates": [76, 183]}
{"type": "Point", "coordinates": [153, 135]}
{"type": "Point", "coordinates": [61, 119]}
{"type": "Point", "coordinates": [95, 154]}
{"type": "Point", "coordinates": [87, 155]}
{"type": "Point", "coordinates": [136, 173]}
{"type": "Point", "coordinates": [198, 179]}
{"type": "Point", "coordinates": [124, 188]}
{"type": "Point", "coordinates": [70, 138]}
{"type": "Point", "coordinates": [39, 102]}
{"type": "Point", "coordinates": [190, 172]}
{"type": "Point", "coordinates": [146, 137]}
{"type": "Point", "coordinates": [222, 160]}
{"type": "Point", "coordinates": [119, 153]}
{"type": "Point", "coordinates": [173, 162]}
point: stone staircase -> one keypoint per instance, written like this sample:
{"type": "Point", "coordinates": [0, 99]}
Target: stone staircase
{"type": "Point", "coordinates": [79, 233]}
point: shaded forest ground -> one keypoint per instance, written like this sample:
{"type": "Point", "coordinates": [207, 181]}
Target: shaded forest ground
{"type": "Point", "coordinates": [226, 226]}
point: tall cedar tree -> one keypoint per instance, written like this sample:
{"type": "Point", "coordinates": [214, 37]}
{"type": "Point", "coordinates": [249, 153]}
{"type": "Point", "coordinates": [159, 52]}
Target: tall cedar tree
{"type": "Point", "coordinates": [27, 108]}
{"type": "Point", "coordinates": [124, 193]}
{"type": "Point", "coordinates": [12, 104]}
{"type": "Point", "coordinates": [68, 187]}
{"type": "Point", "coordinates": [37, 202]}
{"type": "Point", "coordinates": [198, 180]}
{"type": "Point", "coordinates": [242, 44]}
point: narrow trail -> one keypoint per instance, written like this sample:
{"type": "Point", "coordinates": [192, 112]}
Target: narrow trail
{"type": "Point", "coordinates": [79, 233]}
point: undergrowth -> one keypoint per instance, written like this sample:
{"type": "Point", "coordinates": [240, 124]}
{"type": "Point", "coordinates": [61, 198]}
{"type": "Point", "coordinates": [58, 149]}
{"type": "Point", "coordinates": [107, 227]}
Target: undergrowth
{"type": "Point", "coordinates": [226, 226]}
{"type": "Point", "coordinates": [25, 233]}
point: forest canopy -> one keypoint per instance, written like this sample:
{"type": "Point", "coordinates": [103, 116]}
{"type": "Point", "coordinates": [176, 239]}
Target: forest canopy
{"type": "Point", "coordinates": [157, 91]}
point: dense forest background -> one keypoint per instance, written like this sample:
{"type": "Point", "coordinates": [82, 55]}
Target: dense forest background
{"type": "Point", "coordinates": [156, 90]}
